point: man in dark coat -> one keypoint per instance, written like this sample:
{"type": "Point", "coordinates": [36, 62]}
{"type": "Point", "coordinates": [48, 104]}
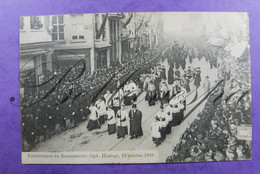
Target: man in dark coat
{"type": "Point", "coordinates": [186, 82]}
{"type": "Point", "coordinates": [135, 122]}
{"type": "Point", "coordinates": [197, 78]}
{"type": "Point", "coordinates": [170, 75]}
{"type": "Point", "coordinates": [29, 130]}
{"type": "Point", "coordinates": [163, 73]}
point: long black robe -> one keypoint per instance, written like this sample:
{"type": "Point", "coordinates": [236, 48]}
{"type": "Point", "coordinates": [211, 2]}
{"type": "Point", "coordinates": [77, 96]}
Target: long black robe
{"type": "Point", "coordinates": [135, 123]}
{"type": "Point", "coordinates": [163, 73]}
{"type": "Point", "coordinates": [170, 76]}
{"type": "Point", "coordinates": [197, 80]}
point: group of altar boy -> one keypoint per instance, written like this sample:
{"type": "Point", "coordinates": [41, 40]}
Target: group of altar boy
{"type": "Point", "coordinates": [110, 108]}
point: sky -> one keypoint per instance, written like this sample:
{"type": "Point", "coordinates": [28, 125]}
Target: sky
{"type": "Point", "coordinates": [215, 24]}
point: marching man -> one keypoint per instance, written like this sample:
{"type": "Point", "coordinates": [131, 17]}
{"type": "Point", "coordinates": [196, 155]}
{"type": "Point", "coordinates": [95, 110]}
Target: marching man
{"type": "Point", "coordinates": [107, 96]}
{"type": "Point", "coordinates": [121, 115]}
{"type": "Point", "coordinates": [156, 132]}
{"type": "Point", "coordinates": [117, 98]}
{"type": "Point", "coordinates": [101, 109]}
{"type": "Point", "coordinates": [176, 87]}
{"type": "Point", "coordinates": [161, 116]}
{"type": "Point", "coordinates": [164, 93]}
{"type": "Point", "coordinates": [111, 121]}
{"type": "Point", "coordinates": [93, 122]}
{"type": "Point", "coordinates": [168, 119]}
{"type": "Point", "coordinates": [130, 91]}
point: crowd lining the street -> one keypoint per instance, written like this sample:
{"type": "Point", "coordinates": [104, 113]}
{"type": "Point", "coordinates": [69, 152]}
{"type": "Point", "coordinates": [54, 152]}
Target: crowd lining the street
{"type": "Point", "coordinates": [212, 136]}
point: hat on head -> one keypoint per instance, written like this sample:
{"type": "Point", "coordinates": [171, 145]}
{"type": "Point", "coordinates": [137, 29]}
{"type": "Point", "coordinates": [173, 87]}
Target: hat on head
{"type": "Point", "coordinates": [134, 106]}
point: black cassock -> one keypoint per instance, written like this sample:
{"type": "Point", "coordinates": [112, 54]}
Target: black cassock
{"type": "Point", "coordinates": [163, 73]}
{"type": "Point", "coordinates": [170, 76]}
{"type": "Point", "coordinates": [197, 79]}
{"type": "Point", "coordinates": [135, 123]}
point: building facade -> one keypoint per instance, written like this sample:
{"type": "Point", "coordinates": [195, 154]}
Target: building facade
{"type": "Point", "coordinates": [101, 40]}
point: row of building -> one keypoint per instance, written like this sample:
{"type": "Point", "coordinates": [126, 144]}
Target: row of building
{"type": "Point", "coordinates": [101, 39]}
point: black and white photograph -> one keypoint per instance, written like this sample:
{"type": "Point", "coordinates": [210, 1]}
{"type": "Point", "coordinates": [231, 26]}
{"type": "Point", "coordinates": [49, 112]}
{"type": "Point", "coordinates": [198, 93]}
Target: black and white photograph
{"type": "Point", "coordinates": [135, 87]}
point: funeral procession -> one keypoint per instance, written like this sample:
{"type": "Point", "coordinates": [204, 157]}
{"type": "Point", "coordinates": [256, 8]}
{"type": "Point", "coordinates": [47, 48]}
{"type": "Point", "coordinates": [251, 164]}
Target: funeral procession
{"type": "Point", "coordinates": [178, 83]}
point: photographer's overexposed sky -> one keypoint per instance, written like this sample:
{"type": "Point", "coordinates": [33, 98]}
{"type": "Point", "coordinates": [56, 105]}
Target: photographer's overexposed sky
{"type": "Point", "coordinates": [212, 23]}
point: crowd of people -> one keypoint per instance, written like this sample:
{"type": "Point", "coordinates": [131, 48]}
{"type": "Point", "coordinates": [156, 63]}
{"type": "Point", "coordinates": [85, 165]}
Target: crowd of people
{"type": "Point", "coordinates": [212, 136]}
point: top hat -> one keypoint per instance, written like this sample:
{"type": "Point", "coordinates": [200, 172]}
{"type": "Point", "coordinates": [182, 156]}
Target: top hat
{"type": "Point", "coordinates": [134, 105]}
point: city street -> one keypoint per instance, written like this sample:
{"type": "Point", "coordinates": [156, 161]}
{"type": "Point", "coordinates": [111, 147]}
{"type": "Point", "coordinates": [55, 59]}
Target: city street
{"type": "Point", "coordinates": [80, 139]}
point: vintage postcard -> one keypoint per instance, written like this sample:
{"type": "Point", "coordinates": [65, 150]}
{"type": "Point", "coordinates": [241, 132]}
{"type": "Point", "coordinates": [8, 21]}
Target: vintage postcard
{"type": "Point", "coordinates": [133, 87]}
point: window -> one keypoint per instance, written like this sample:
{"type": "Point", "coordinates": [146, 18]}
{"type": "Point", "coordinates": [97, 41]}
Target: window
{"type": "Point", "coordinates": [21, 23]}
{"type": "Point", "coordinates": [102, 59]}
{"type": "Point", "coordinates": [57, 28]}
{"type": "Point", "coordinates": [77, 29]}
{"type": "Point", "coordinates": [36, 23]}
{"type": "Point", "coordinates": [44, 62]}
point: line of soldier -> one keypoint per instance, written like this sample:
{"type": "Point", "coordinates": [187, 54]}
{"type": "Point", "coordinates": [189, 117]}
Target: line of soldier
{"type": "Point", "coordinates": [42, 120]}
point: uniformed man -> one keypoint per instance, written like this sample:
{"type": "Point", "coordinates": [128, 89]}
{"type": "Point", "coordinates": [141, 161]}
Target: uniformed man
{"type": "Point", "coordinates": [176, 87]}
{"type": "Point", "coordinates": [151, 94]}
{"type": "Point", "coordinates": [156, 132]}
{"type": "Point", "coordinates": [101, 109]}
{"type": "Point", "coordinates": [111, 120]}
{"type": "Point", "coordinates": [168, 119]}
{"type": "Point", "coordinates": [130, 91]}
{"type": "Point", "coordinates": [93, 122]}
{"type": "Point", "coordinates": [108, 98]}
{"type": "Point", "coordinates": [164, 93]}
{"type": "Point", "coordinates": [121, 116]}
{"type": "Point", "coordinates": [161, 116]}
{"type": "Point", "coordinates": [117, 98]}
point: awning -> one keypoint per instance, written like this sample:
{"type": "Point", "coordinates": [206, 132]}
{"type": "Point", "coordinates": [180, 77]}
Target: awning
{"type": "Point", "coordinates": [71, 57]}
{"type": "Point", "coordinates": [33, 49]}
{"type": "Point", "coordinates": [238, 49]}
{"type": "Point", "coordinates": [229, 46]}
{"type": "Point", "coordinates": [32, 52]}
{"type": "Point", "coordinates": [100, 45]}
